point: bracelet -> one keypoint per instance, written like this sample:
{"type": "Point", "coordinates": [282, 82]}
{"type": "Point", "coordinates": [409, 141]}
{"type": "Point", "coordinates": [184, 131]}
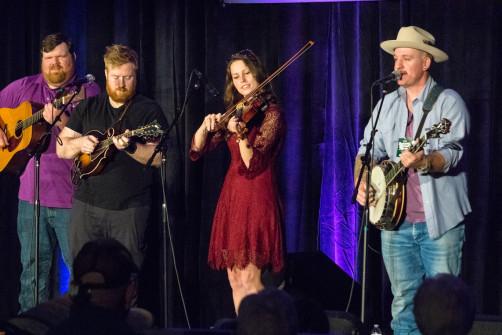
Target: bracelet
{"type": "Point", "coordinates": [427, 167]}
{"type": "Point", "coordinates": [131, 148]}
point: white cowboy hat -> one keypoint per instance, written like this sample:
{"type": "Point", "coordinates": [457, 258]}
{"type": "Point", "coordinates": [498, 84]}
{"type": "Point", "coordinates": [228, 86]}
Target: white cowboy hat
{"type": "Point", "coordinates": [416, 38]}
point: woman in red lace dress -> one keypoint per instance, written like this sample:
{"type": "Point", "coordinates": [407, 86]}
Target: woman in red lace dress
{"type": "Point", "coordinates": [248, 222]}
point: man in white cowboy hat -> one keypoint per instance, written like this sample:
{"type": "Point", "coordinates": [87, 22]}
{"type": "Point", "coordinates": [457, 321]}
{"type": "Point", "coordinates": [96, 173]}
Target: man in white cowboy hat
{"type": "Point", "coordinates": [430, 239]}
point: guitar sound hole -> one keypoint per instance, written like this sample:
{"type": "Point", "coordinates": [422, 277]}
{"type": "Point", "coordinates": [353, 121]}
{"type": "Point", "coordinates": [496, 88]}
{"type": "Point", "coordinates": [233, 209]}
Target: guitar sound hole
{"type": "Point", "coordinates": [19, 129]}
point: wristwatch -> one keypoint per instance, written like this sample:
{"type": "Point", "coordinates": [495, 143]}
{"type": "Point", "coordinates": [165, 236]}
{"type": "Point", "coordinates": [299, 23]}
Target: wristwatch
{"type": "Point", "coordinates": [427, 167]}
{"type": "Point", "coordinates": [131, 148]}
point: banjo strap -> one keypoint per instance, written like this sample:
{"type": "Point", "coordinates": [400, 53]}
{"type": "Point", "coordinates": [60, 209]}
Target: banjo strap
{"type": "Point", "coordinates": [428, 104]}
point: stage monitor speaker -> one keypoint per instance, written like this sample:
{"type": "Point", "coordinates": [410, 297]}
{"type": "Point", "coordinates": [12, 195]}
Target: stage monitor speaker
{"type": "Point", "coordinates": [344, 323]}
{"type": "Point", "coordinates": [487, 325]}
{"type": "Point", "coordinates": [185, 331]}
{"type": "Point", "coordinates": [314, 275]}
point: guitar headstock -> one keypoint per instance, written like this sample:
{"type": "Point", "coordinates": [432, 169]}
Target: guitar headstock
{"type": "Point", "coordinates": [440, 128]}
{"type": "Point", "coordinates": [65, 95]}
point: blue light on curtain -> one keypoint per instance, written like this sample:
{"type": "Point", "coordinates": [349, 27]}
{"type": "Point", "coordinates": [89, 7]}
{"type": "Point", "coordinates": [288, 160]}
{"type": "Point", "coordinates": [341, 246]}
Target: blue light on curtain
{"type": "Point", "coordinates": [338, 221]}
{"type": "Point", "coordinates": [64, 275]}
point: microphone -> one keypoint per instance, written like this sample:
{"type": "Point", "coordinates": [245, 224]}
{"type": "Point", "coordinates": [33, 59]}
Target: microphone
{"type": "Point", "coordinates": [394, 76]}
{"type": "Point", "coordinates": [79, 82]}
{"type": "Point", "coordinates": [210, 87]}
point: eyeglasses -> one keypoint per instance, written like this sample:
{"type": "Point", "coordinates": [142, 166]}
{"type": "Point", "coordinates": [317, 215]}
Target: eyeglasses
{"type": "Point", "coordinates": [245, 53]}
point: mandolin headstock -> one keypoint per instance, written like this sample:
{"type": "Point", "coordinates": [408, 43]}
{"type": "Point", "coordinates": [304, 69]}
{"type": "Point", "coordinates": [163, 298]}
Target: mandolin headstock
{"type": "Point", "coordinates": [149, 132]}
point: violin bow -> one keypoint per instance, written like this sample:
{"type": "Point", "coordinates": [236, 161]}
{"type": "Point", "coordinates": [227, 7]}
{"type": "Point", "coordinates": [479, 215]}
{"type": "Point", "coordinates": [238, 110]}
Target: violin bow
{"type": "Point", "coordinates": [251, 96]}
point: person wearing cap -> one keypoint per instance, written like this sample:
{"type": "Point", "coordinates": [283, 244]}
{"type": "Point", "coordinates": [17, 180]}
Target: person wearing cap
{"type": "Point", "coordinates": [430, 239]}
{"type": "Point", "coordinates": [103, 290]}
{"type": "Point", "coordinates": [444, 305]}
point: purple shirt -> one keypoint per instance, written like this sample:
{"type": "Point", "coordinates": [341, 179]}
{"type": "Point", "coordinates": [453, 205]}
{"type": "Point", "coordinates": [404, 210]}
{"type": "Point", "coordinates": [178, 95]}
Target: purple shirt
{"type": "Point", "coordinates": [414, 202]}
{"type": "Point", "coordinates": [56, 189]}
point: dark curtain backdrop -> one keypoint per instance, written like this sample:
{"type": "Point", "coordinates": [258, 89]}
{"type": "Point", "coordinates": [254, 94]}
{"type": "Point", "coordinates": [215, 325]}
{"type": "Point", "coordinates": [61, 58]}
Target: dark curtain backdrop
{"type": "Point", "coordinates": [326, 97]}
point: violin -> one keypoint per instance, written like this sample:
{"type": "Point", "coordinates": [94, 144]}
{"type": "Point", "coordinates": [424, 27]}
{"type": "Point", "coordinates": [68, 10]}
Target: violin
{"type": "Point", "coordinates": [245, 111]}
{"type": "Point", "coordinates": [256, 101]}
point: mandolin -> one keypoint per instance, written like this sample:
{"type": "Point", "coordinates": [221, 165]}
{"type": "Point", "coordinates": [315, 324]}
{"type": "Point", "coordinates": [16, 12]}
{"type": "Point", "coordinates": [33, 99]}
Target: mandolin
{"type": "Point", "coordinates": [92, 164]}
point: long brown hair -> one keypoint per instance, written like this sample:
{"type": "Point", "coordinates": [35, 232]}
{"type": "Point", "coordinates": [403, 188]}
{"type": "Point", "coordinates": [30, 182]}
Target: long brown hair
{"type": "Point", "coordinates": [232, 96]}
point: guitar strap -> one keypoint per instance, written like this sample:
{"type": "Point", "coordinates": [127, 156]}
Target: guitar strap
{"type": "Point", "coordinates": [428, 104]}
{"type": "Point", "coordinates": [118, 122]}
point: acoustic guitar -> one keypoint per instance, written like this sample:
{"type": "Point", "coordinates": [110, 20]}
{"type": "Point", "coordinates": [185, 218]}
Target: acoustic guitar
{"type": "Point", "coordinates": [389, 182]}
{"type": "Point", "coordinates": [27, 131]}
{"type": "Point", "coordinates": [92, 164]}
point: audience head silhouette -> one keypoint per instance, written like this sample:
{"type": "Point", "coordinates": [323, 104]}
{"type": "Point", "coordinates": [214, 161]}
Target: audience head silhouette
{"type": "Point", "coordinates": [269, 312]}
{"type": "Point", "coordinates": [104, 275]}
{"type": "Point", "coordinates": [444, 305]}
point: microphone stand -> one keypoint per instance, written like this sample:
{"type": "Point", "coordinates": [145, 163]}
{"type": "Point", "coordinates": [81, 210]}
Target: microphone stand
{"type": "Point", "coordinates": [366, 160]}
{"type": "Point", "coordinates": [162, 147]}
{"type": "Point", "coordinates": [37, 152]}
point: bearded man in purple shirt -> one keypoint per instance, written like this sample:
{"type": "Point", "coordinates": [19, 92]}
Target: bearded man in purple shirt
{"type": "Point", "coordinates": [55, 188]}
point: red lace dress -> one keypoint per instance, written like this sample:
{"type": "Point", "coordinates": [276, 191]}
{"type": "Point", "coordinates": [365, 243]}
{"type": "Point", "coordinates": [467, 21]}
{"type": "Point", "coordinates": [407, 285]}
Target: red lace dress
{"type": "Point", "coordinates": [248, 222]}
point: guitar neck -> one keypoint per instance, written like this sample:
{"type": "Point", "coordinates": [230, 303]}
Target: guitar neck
{"type": "Point", "coordinates": [28, 122]}
{"type": "Point", "coordinates": [57, 103]}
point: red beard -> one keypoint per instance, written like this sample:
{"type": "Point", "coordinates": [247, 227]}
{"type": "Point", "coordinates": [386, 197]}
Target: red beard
{"type": "Point", "coordinates": [120, 94]}
{"type": "Point", "coordinates": [56, 78]}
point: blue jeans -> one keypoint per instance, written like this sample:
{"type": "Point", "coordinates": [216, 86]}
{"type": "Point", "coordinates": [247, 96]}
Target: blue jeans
{"type": "Point", "coordinates": [53, 231]}
{"type": "Point", "coordinates": [410, 255]}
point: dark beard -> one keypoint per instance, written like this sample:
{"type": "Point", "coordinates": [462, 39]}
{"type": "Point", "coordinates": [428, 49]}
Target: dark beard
{"type": "Point", "coordinates": [120, 95]}
{"type": "Point", "coordinates": [56, 79]}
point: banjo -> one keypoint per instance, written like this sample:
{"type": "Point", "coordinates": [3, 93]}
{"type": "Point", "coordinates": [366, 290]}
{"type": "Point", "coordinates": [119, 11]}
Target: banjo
{"type": "Point", "coordinates": [389, 180]}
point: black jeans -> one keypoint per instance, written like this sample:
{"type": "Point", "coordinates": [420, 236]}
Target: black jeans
{"type": "Point", "coordinates": [128, 226]}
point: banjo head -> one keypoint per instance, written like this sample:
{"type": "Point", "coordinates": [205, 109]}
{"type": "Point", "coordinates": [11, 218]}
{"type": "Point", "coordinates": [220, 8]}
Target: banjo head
{"type": "Point", "coordinates": [389, 196]}
{"type": "Point", "coordinates": [380, 186]}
